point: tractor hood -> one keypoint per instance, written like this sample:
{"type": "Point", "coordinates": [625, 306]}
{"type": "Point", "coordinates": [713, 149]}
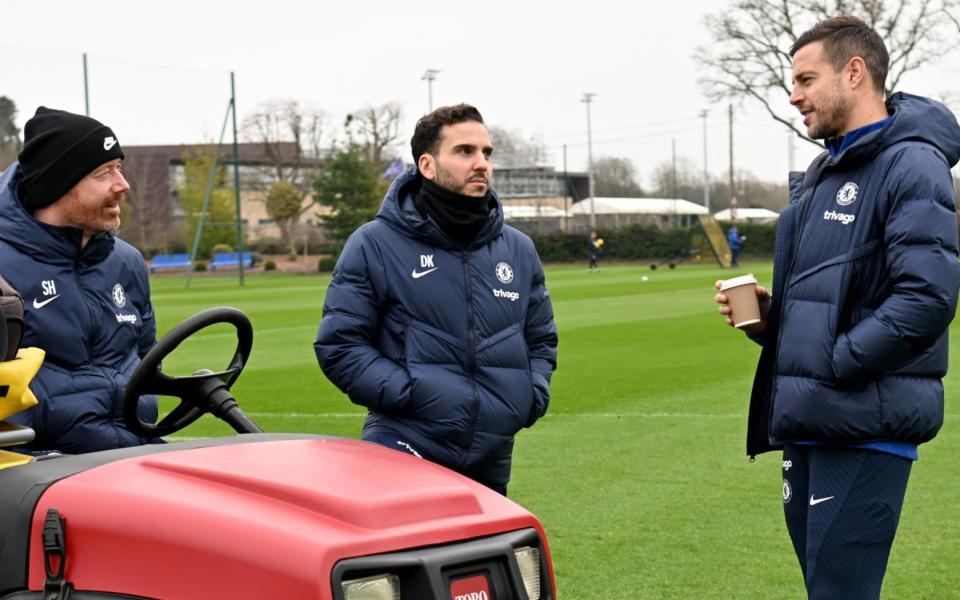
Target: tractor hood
{"type": "Point", "coordinates": [261, 516]}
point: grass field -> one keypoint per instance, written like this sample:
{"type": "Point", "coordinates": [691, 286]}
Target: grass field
{"type": "Point", "coordinates": [638, 470]}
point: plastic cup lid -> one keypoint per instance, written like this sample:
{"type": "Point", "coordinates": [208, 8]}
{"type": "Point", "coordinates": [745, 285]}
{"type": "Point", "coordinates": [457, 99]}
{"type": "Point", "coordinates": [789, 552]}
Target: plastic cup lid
{"type": "Point", "coordinates": [742, 280]}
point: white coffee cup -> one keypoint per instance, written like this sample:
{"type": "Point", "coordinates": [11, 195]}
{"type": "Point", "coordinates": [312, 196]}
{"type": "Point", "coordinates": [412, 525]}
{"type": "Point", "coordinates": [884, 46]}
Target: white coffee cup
{"type": "Point", "coordinates": [741, 295]}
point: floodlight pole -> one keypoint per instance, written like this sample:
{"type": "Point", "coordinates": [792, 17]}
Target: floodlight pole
{"type": "Point", "coordinates": [236, 176]}
{"type": "Point", "coordinates": [429, 75]}
{"type": "Point", "coordinates": [673, 169]}
{"type": "Point", "coordinates": [706, 173]}
{"type": "Point", "coordinates": [587, 99]}
{"type": "Point", "coordinates": [566, 190]}
{"type": "Point", "coordinates": [86, 86]}
{"type": "Point", "coordinates": [733, 192]}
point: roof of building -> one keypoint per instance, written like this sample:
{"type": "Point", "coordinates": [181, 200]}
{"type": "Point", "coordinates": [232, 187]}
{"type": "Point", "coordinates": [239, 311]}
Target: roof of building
{"type": "Point", "coordinates": [747, 214]}
{"type": "Point", "coordinates": [250, 153]}
{"type": "Point", "coordinates": [643, 206]}
{"type": "Point", "coordinates": [532, 211]}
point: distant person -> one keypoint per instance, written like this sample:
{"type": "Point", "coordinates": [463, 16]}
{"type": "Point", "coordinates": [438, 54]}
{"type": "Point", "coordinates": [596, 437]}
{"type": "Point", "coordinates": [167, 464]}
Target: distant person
{"type": "Point", "coordinates": [595, 247]}
{"type": "Point", "coordinates": [855, 333]}
{"type": "Point", "coordinates": [735, 241]}
{"type": "Point", "coordinates": [85, 291]}
{"type": "Point", "coordinates": [438, 319]}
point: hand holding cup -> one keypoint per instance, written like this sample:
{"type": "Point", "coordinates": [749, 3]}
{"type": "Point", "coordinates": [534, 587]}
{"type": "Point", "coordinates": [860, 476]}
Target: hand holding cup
{"type": "Point", "coordinates": [743, 303]}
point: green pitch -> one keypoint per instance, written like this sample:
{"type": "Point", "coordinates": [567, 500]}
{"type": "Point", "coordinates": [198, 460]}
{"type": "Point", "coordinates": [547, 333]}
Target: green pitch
{"type": "Point", "coordinates": [638, 470]}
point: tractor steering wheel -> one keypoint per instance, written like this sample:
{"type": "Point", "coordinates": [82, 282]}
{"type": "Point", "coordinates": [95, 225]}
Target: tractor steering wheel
{"type": "Point", "coordinates": [202, 392]}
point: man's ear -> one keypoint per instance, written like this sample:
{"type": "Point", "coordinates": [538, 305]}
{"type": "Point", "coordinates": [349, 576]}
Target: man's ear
{"type": "Point", "coordinates": [428, 166]}
{"type": "Point", "coordinates": [856, 74]}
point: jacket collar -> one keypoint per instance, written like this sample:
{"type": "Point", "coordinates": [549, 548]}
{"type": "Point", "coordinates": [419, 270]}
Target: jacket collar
{"type": "Point", "coordinates": [836, 146]}
{"type": "Point", "coordinates": [399, 210]}
{"type": "Point", "coordinates": [912, 118]}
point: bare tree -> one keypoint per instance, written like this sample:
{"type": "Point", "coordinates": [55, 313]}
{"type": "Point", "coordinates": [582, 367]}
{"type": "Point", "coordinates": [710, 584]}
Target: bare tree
{"type": "Point", "coordinates": [9, 132]}
{"type": "Point", "coordinates": [615, 177]}
{"type": "Point", "coordinates": [686, 182]}
{"type": "Point", "coordinates": [681, 180]}
{"type": "Point", "coordinates": [511, 149]}
{"type": "Point", "coordinates": [750, 191]}
{"type": "Point", "coordinates": [289, 136]}
{"type": "Point", "coordinates": [749, 58]}
{"type": "Point", "coordinates": [148, 200]}
{"type": "Point", "coordinates": [377, 127]}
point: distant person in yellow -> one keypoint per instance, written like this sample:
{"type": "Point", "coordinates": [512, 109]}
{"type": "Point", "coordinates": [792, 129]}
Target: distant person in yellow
{"type": "Point", "coordinates": [596, 246]}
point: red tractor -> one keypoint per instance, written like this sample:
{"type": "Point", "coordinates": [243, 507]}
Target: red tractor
{"type": "Point", "coordinates": [251, 516]}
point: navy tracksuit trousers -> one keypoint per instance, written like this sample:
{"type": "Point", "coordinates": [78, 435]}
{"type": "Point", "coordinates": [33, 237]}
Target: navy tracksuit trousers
{"type": "Point", "coordinates": [842, 507]}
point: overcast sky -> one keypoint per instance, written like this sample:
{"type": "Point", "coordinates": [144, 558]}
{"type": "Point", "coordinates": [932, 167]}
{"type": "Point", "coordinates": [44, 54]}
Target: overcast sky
{"type": "Point", "coordinates": [159, 71]}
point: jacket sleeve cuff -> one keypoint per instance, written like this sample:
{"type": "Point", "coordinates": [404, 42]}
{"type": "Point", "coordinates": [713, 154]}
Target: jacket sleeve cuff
{"type": "Point", "coordinates": [759, 338]}
{"type": "Point", "coordinates": [541, 396]}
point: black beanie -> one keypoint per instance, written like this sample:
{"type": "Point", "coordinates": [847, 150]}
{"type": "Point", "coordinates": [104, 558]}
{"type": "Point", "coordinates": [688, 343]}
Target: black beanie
{"type": "Point", "coordinates": [60, 149]}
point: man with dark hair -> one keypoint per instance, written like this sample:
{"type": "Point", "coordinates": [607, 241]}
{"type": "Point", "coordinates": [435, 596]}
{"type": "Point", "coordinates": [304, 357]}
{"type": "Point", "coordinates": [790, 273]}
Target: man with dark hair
{"type": "Point", "coordinates": [865, 285]}
{"type": "Point", "coordinates": [86, 292]}
{"type": "Point", "coordinates": [843, 38]}
{"type": "Point", "coordinates": [438, 319]}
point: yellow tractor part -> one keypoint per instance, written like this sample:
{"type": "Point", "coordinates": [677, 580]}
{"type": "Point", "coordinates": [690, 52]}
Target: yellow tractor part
{"type": "Point", "coordinates": [15, 396]}
{"type": "Point", "coordinates": [15, 377]}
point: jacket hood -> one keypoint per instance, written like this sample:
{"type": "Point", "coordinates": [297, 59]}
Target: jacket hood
{"type": "Point", "coordinates": [45, 243]}
{"type": "Point", "coordinates": [913, 118]}
{"type": "Point", "coordinates": [399, 211]}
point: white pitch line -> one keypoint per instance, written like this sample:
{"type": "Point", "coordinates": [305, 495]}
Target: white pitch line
{"type": "Point", "coordinates": [659, 415]}
{"type": "Point", "coordinates": [654, 415]}
{"type": "Point", "coordinates": [292, 415]}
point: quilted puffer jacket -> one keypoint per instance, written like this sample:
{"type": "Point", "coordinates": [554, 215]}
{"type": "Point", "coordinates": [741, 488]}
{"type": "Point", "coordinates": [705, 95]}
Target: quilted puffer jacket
{"type": "Point", "coordinates": [451, 350]}
{"type": "Point", "coordinates": [865, 285]}
{"type": "Point", "coordinates": [90, 311]}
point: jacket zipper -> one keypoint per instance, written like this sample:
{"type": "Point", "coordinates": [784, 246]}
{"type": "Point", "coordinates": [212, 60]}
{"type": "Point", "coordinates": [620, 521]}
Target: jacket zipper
{"type": "Point", "coordinates": [93, 317]}
{"type": "Point", "coordinates": [95, 326]}
{"type": "Point", "coordinates": [794, 252]}
{"type": "Point", "coordinates": [471, 354]}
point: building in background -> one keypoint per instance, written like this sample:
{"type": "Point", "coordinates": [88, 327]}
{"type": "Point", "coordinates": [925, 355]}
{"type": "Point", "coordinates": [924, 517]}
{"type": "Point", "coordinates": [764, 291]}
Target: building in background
{"type": "Point", "coordinates": [614, 213]}
{"type": "Point", "coordinates": [154, 218]}
{"type": "Point", "coordinates": [538, 199]}
{"type": "Point", "coordinates": [748, 215]}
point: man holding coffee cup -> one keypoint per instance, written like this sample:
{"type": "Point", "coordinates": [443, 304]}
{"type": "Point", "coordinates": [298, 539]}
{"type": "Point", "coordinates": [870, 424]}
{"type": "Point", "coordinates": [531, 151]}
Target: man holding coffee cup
{"type": "Point", "coordinates": [854, 335]}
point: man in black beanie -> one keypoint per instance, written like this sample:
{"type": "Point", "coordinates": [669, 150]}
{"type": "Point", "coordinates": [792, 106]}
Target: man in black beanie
{"type": "Point", "coordinates": [59, 152]}
{"type": "Point", "coordinates": [438, 318]}
{"type": "Point", "coordinates": [86, 292]}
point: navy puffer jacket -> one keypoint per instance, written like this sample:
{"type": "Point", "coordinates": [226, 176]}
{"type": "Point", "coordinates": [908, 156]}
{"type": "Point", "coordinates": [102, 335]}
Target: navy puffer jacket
{"type": "Point", "coordinates": [865, 285]}
{"type": "Point", "coordinates": [89, 309]}
{"type": "Point", "coordinates": [451, 350]}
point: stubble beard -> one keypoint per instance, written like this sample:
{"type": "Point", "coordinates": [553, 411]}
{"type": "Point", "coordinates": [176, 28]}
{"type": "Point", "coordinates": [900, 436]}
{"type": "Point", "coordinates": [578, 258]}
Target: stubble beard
{"type": "Point", "coordinates": [92, 218]}
{"type": "Point", "coordinates": [832, 114]}
{"type": "Point", "coordinates": [448, 181]}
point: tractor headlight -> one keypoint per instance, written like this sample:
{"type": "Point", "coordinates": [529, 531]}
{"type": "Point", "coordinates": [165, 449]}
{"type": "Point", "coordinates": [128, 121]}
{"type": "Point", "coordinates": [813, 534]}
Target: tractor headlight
{"type": "Point", "coordinates": [528, 559]}
{"type": "Point", "coordinates": [377, 587]}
